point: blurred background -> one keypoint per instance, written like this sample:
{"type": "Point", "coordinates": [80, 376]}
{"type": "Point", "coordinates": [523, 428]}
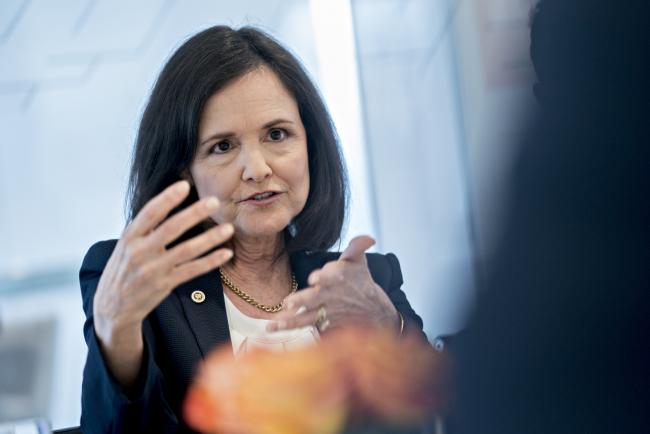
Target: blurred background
{"type": "Point", "coordinates": [427, 96]}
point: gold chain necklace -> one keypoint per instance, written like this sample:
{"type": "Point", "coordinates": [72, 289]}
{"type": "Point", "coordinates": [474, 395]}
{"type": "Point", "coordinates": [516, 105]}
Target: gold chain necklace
{"type": "Point", "coordinates": [250, 300]}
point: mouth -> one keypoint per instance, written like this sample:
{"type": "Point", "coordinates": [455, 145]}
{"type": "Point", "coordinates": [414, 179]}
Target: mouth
{"type": "Point", "coordinates": [261, 196]}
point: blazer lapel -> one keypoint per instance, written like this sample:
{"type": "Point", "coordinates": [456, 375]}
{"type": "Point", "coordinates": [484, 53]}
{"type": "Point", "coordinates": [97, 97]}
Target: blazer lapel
{"type": "Point", "coordinates": [207, 319]}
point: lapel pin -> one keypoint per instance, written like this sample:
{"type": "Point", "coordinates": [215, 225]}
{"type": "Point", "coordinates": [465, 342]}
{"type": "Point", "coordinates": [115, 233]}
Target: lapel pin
{"type": "Point", "coordinates": [198, 297]}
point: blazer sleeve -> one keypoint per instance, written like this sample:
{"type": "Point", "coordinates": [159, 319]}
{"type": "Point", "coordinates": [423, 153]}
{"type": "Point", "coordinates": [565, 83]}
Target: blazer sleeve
{"type": "Point", "coordinates": [106, 406]}
{"type": "Point", "coordinates": [387, 272]}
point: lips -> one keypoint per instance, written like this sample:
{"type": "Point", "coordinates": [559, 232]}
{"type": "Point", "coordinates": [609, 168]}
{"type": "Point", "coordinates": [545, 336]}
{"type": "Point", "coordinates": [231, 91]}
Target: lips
{"type": "Point", "coordinates": [259, 196]}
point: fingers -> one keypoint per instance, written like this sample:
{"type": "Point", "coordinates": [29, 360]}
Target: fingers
{"type": "Point", "coordinates": [332, 274]}
{"type": "Point", "coordinates": [194, 247]}
{"type": "Point", "coordinates": [301, 314]}
{"type": "Point", "coordinates": [299, 310]}
{"type": "Point", "coordinates": [179, 223]}
{"type": "Point", "coordinates": [308, 297]}
{"type": "Point", "coordinates": [355, 252]}
{"type": "Point", "coordinates": [302, 319]}
{"type": "Point", "coordinates": [157, 209]}
{"type": "Point", "coordinates": [192, 269]}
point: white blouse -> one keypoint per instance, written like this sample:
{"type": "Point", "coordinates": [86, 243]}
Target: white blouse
{"type": "Point", "coordinates": [247, 333]}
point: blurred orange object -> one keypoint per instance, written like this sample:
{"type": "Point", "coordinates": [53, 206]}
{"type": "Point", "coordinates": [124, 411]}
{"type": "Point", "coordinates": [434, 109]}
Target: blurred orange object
{"type": "Point", "coordinates": [351, 372]}
{"type": "Point", "coordinates": [398, 380]}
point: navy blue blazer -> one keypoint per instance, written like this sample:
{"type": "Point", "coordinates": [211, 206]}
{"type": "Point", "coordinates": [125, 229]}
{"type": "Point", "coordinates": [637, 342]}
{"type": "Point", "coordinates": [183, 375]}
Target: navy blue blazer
{"type": "Point", "coordinates": [177, 335]}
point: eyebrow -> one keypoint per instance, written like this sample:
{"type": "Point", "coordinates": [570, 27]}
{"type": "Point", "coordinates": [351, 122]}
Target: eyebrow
{"type": "Point", "coordinates": [226, 134]}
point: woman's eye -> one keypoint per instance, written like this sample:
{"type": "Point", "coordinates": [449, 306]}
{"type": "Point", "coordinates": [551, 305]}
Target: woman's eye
{"type": "Point", "coordinates": [277, 134]}
{"type": "Point", "coordinates": [222, 147]}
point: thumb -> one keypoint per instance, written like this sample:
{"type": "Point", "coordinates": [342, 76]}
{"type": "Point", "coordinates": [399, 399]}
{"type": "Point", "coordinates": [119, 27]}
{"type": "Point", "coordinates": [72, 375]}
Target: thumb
{"type": "Point", "coordinates": [355, 252]}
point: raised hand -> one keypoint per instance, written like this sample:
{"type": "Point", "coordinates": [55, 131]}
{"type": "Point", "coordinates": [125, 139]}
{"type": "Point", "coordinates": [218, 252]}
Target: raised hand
{"type": "Point", "coordinates": [142, 271]}
{"type": "Point", "coordinates": [342, 292]}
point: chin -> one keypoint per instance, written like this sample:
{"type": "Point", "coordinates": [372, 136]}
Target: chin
{"type": "Point", "coordinates": [257, 228]}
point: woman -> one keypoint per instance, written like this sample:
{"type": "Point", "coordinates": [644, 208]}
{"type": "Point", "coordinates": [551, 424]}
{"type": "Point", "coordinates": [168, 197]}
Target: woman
{"type": "Point", "coordinates": [237, 190]}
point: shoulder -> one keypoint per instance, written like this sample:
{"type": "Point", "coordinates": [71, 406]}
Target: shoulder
{"type": "Point", "coordinates": [385, 269]}
{"type": "Point", "coordinates": [91, 270]}
{"type": "Point", "coordinates": [97, 256]}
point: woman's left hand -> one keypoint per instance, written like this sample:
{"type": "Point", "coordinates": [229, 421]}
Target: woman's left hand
{"type": "Point", "coordinates": [340, 293]}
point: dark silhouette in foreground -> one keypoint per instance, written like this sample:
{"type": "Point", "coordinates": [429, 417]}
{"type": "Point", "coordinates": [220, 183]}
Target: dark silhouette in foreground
{"type": "Point", "coordinates": [560, 341]}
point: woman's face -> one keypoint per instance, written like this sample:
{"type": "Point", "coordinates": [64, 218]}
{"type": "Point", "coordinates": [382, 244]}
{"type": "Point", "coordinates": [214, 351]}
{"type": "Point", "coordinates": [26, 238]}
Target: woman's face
{"type": "Point", "coordinates": [252, 155]}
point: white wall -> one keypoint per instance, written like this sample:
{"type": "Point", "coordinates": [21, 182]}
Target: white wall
{"type": "Point", "coordinates": [495, 77]}
{"type": "Point", "coordinates": [415, 150]}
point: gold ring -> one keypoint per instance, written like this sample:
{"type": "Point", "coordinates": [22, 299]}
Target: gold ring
{"type": "Point", "coordinates": [324, 325]}
{"type": "Point", "coordinates": [321, 319]}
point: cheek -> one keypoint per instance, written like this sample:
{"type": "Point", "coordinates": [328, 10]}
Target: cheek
{"type": "Point", "coordinates": [305, 182]}
{"type": "Point", "coordinates": [207, 182]}
{"type": "Point", "coordinates": [301, 178]}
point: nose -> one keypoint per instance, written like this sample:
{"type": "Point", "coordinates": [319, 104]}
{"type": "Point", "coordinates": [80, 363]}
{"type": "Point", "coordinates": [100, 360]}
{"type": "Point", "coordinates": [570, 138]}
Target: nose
{"type": "Point", "coordinates": [255, 164]}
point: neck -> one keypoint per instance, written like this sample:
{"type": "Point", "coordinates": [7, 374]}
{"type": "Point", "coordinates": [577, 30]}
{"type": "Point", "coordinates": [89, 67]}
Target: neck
{"type": "Point", "coordinates": [258, 256]}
